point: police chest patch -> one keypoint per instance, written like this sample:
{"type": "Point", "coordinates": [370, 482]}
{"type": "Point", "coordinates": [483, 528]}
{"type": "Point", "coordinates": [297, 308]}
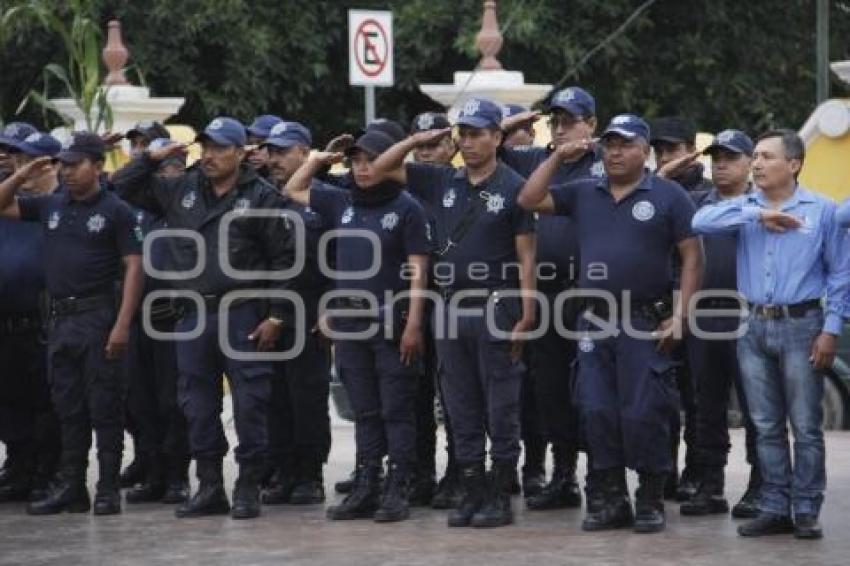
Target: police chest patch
{"type": "Point", "coordinates": [189, 200]}
{"type": "Point", "coordinates": [597, 169]}
{"type": "Point", "coordinates": [495, 203]}
{"type": "Point", "coordinates": [53, 221]}
{"type": "Point", "coordinates": [449, 198]}
{"type": "Point", "coordinates": [347, 216]}
{"type": "Point", "coordinates": [643, 210]}
{"type": "Point", "coordinates": [586, 345]}
{"type": "Point", "coordinates": [96, 223]}
{"type": "Point", "coordinates": [389, 221]}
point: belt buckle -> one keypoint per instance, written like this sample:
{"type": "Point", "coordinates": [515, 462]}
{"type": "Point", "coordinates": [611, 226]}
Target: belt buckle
{"type": "Point", "coordinates": [772, 312]}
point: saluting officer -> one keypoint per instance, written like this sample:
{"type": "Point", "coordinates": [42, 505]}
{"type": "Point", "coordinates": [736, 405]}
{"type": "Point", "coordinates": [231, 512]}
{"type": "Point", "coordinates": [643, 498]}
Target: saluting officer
{"type": "Point", "coordinates": [198, 201]}
{"type": "Point", "coordinates": [379, 372]}
{"type": "Point", "coordinates": [299, 424]}
{"type": "Point", "coordinates": [628, 222]}
{"type": "Point", "coordinates": [28, 423]}
{"type": "Point", "coordinates": [90, 235]}
{"type": "Point", "coordinates": [486, 256]}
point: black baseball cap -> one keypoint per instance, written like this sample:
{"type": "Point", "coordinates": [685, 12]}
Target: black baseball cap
{"type": "Point", "coordinates": [149, 129]}
{"type": "Point", "coordinates": [389, 128]}
{"type": "Point", "coordinates": [82, 145]}
{"type": "Point", "coordinates": [373, 143]}
{"type": "Point", "coordinates": [673, 129]}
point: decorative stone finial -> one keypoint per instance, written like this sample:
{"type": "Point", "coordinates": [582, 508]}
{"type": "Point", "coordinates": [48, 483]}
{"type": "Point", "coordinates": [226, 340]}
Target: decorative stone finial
{"type": "Point", "coordinates": [115, 55]}
{"type": "Point", "coordinates": [489, 40]}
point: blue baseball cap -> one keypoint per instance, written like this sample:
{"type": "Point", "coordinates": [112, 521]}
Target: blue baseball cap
{"type": "Point", "coordinates": [288, 134]}
{"type": "Point", "coordinates": [262, 125]}
{"type": "Point", "coordinates": [627, 126]}
{"type": "Point", "coordinates": [82, 145]}
{"type": "Point", "coordinates": [224, 131]}
{"type": "Point", "coordinates": [574, 100]}
{"type": "Point", "coordinates": [480, 113]}
{"type": "Point", "coordinates": [16, 132]}
{"type": "Point", "coordinates": [735, 141]}
{"type": "Point", "coordinates": [37, 145]}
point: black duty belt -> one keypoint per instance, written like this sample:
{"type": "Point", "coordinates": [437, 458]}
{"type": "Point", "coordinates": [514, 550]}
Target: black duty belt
{"type": "Point", "coordinates": [720, 303]}
{"type": "Point", "coordinates": [655, 309]}
{"type": "Point", "coordinates": [777, 312]}
{"type": "Point", "coordinates": [75, 305]}
{"type": "Point", "coordinates": [19, 323]}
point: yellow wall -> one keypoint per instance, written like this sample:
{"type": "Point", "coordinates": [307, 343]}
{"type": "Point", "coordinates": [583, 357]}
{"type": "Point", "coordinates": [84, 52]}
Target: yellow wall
{"type": "Point", "coordinates": [827, 167]}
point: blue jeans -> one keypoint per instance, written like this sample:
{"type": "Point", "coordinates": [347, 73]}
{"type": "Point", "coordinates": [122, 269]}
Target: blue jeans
{"type": "Point", "coordinates": [781, 385]}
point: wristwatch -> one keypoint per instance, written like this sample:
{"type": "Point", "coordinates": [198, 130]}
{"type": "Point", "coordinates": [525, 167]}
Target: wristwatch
{"type": "Point", "coordinates": [274, 320]}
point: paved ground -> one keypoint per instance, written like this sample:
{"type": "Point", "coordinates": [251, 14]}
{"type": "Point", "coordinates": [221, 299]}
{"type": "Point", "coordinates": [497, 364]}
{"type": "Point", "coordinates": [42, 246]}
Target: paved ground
{"type": "Point", "coordinates": [149, 534]}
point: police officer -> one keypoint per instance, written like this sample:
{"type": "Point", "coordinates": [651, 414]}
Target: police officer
{"type": "Point", "coordinates": [28, 423]}
{"type": "Point", "coordinates": [299, 423]}
{"type": "Point", "coordinates": [198, 201]}
{"type": "Point", "coordinates": [446, 493]}
{"type": "Point", "coordinates": [627, 224]}
{"type": "Point", "coordinates": [378, 371]}
{"type": "Point", "coordinates": [89, 232]}
{"type": "Point", "coordinates": [714, 360]}
{"type": "Point", "coordinates": [674, 143]}
{"type": "Point", "coordinates": [160, 436]}
{"type": "Point", "coordinates": [257, 133]}
{"type": "Point", "coordinates": [572, 123]}
{"type": "Point", "coordinates": [12, 132]}
{"type": "Point", "coordinates": [486, 245]}
{"type": "Point", "coordinates": [520, 133]}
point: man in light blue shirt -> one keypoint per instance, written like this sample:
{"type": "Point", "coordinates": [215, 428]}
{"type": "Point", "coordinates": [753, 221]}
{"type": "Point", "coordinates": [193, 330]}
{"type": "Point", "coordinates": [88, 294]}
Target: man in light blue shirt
{"type": "Point", "coordinates": [791, 254]}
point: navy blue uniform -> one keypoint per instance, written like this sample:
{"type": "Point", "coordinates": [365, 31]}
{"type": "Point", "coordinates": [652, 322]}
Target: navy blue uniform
{"type": "Point", "coordinates": [299, 423]}
{"type": "Point", "coordinates": [626, 388]}
{"type": "Point", "coordinates": [482, 382]}
{"type": "Point", "coordinates": [85, 243]}
{"type": "Point", "coordinates": [547, 396]}
{"type": "Point", "coordinates": [158, 424]}
{"type": "Point", "coordinates": [28, 424]}
{"type": "Point", "coordinates": [380, 387]}
{"type": "Point", "coordinates": [189, 202]}
{"type": "Point", "coordinates": [714, 363]}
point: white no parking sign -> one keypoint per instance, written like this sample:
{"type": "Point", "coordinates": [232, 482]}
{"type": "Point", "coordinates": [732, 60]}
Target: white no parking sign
{"type": "Point", "coordinates": [370, 53]}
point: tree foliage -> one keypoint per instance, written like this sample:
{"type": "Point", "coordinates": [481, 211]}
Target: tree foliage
{"type": "Point", "coordinates": [726, 63]}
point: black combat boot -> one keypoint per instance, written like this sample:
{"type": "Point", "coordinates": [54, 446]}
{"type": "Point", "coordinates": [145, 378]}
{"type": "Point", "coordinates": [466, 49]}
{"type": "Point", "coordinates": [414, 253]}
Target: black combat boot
{"type": "Point", "coordinates": [474, 485]}
{"type": "Point", "coordinates": [281, 483]}
{"type": "Point", "coordinates": [135, 472]}
{"type": "Point", "coordinates": [363, 500]}
{"type": "Point", "coordinates": [496, 510]}
{"type": "Point", "coordinates": [534, 467]}
{"type": "Point", "coordinates": [767, 524]}
{"type": "Point", "coordinates": [611, 508]}
{"type": "Point", "coordinates": [649, 503]}
{"type": "Point", "coordinates": [689, 483]}
{"type": "Point", "coordinates": [747, 507]}
{"type": "Point", "coordinates": [152, 488]}
{"type": "Point", "coordinates": [562, 491]}
{"type": "Point", "coordinates": [210, 498]}
{"type": "Point", "coordinates": [107, 500]}
{"type": "Point", "coordinates": [16, 479]}
{"type": "Point", "coordinates": [176, 479]}
{"type": "Point", "coordinates": [67, 493]}
{"type": "Point", "coordinates": [449, 491]}
{"type": "Point", "coordinates": [394, 504]}
{"type": "Point", "coordinates": [709, 498]}
{"type": "Point", "coordinates": [309, 489]}
{"type": "Point", "coordinates": [246, 493]}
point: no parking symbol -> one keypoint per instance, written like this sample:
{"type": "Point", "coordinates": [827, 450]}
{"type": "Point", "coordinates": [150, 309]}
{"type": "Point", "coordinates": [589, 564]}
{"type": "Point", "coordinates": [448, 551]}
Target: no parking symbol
{"type": "Point", "coordinates": [370, 48]}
